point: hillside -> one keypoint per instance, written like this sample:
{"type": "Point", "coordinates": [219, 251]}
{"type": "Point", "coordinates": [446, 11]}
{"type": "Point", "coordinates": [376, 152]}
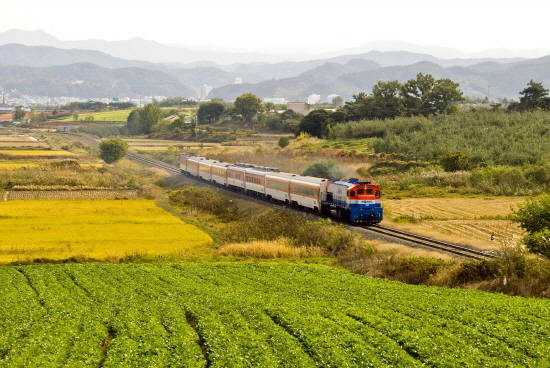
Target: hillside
{"type": "Point", "coordinates": [89, 81]}
{"type": "Point", "coordinates": [497, 79]}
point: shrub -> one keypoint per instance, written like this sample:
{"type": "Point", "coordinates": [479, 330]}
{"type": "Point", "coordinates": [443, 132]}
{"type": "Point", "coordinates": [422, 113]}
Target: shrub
{"type": "Point", "coordinates": [324, 169]}
{"type": "Point", "coordinates": [539, 242]}
{"type": "Point", "coordinates": [283, 142]}
{"type": "Point", "coordinates": [112, 150]}
{"type": "Point", "coordinates": [534, 215]}
{"type": "Point", "coordinates": [456, 161]}
{"type": "Point", "coordinates": [206, 200]}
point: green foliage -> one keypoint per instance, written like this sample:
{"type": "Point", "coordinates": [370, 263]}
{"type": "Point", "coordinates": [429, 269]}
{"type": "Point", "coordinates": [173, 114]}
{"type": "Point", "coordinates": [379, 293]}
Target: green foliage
{"type": "Point", "coordinates": [325, 169]}
{"type": "Point", "coordinates": [423, 95]}
{"type": "Point", "coordinates": [257, 315]}
{"type": "Point", "coordinates": [248, 106]}
{"type": "Point", "coordinates": [539, 242]}
{"type": "Point", "coordinates": [112, 150]}
{"type": "Point", "coordinates": [283, 142]}
{"type": "Point", "coordinates": [534, 96]}
{"type": "Point", "coordinates": [19, 114]}
{"type": "Point", "coordinates": [493, 138]}
{"type": "Point", "coordinates": [314, 123]}
{"type": "Point", "coordinates": [455, 161]}
{"type": "Point", "coordinates": [210, 112]}
{"type": "Point", "coordinates": [103, 131]}
{"type": "Point", "coordinates": [141, 121]}
{"type": "Point", "coordinates": [534, 215]}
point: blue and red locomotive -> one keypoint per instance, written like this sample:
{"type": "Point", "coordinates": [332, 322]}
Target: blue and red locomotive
{"type": "Point", "coordinates": [350, 200]}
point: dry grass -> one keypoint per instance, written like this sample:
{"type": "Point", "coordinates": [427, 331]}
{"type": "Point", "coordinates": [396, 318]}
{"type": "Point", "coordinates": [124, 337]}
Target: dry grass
{"type": "Point", "coordinates": [97, 229]}
{"type": "Point", "coordinates": [404, 251]}
{"type": "Point", "coordinates": [269, 249]}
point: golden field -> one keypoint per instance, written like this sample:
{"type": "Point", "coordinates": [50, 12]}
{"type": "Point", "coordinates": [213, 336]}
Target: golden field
{"type": "Point", "coordinates": [97, 229]}
{"type": "Point", "coordinates": [35, 153]}
{"type": "Point", "coordinates": [462, 220]}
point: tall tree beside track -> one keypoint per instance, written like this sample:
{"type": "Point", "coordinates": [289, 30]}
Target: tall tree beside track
{"type": "Point", "coordinates": [534, 96]}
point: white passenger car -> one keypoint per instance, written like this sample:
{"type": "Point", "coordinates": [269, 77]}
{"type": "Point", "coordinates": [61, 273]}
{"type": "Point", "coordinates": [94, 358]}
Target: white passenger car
{"type": "Point", "coordinates": [235, 176]}
{"type": "Point", "coordinates": [255, 180]}
{"type": "Point", "coordinates": [306, 191]}
{"type": "Point", "coordinates": [219, 172]}
{"type": "Point", "coordinates": [277, 186]}
{"type": "Point", "coordinates": [192, 165]}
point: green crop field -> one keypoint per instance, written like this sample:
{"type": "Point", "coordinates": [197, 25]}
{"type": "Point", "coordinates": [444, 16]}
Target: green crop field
{"type": "Point", "coordinates": [256, 315]}
{"type": "Point", "coordinates": [120, 115]}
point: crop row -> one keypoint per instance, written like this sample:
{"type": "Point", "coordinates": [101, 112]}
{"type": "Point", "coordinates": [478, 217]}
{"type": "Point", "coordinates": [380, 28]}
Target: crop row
{"type": "Point", "coordinates": [257, 315]}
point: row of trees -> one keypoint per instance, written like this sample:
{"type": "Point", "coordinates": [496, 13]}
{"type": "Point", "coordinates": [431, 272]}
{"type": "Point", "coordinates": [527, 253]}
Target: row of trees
{"type": "Point", "coordinates": [424, 95]}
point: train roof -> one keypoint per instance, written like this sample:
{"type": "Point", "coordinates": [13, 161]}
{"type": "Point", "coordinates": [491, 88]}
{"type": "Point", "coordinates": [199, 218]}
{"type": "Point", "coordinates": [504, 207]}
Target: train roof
{"type": "Point", "coordinates": [307, 179]}
{"type": "Point", "coordinates": [350, 183]}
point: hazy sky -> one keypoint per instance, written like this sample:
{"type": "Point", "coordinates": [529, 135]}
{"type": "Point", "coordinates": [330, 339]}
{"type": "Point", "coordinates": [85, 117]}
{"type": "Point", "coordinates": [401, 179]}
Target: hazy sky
{"type": "Point", "coordinates": [291, 25]}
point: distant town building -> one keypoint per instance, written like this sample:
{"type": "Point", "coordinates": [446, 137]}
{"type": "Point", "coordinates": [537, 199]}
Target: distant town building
{"type": "Point", "coordinates": [298, 107]}
{"type": "Point", "coordinates": [313, 99]}
{"type": "Point", "coordinates": [204, 92]}
{"type": "Point", "coordinates": [275, 100]}
{"type": "Point", "coordinates": [238, 80]}
{"type": "Point", "coordinates": [63, 129]}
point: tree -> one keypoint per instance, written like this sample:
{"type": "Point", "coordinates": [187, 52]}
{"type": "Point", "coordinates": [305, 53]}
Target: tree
{"type": "Point", "coordinates": [112, 150]}
{"type": "Point", "coordinates": [387, 100]}
{"type": "Point", "coordinates": [210, 112]}
{"type": "Point", "coordinates": [534, 217]}
{"type": "Point", "coordinates": [283, 142]}
{"type": "Point", "coordinates": [426, 95]}
{"type": "Point", "coordinates": [19, 114]}
{"type": "Point", "coordinates": [327, 169]}
{"type": "Point", "coordinates": [149, 116]}
{"type": "Point", "coordinates": [534, 96]}
{"type": "Point", "coordinates": [133, 122]}
{"type": "Point", "coordinates": [248, 106]}
{"type": "Point", "coordinates": [337, 100]}
{"type": "Point", "coordinates": [75, 117]}
{"type": "Point", "coordinates": [315, 123]}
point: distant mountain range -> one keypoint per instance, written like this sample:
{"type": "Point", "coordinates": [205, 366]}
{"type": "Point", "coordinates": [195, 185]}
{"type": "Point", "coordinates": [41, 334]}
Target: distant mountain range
{"type": "Point", "coordinates": [48, 66]}
{"type": "Point", "coordinates": [90, 81]}
{"type": "Point", "coordinates": [496, 80]}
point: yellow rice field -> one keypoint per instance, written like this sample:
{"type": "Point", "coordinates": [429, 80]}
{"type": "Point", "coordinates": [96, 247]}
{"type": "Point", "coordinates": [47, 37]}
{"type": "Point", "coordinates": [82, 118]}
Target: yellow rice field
{"type": "Point", "coordinates": [463, 220]}
{"type": "Point", "coordinates": [35, 153]}
{"type": "Point", "coordinates": [98, 229]}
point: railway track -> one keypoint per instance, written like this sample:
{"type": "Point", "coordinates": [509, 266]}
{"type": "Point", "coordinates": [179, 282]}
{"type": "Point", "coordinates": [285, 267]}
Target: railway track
{"type": "Point", "coordinates": [415, 239]}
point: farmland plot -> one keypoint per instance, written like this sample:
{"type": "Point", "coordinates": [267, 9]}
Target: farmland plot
{"type": "Point", "coordinates": [98, 229]}
{"type": "Point", "coordinates": [257, 315]}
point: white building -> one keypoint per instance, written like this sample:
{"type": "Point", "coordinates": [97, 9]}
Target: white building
{"type": "Point", "coordinates": [204, 92]}
{"type": "Point", "coordinates": [275, 100]}
{"type": "Point", "coordinates": [313, 99]}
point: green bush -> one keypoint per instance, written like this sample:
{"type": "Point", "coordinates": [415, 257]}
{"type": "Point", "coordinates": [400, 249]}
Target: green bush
{"type": "Point", "coordinates": [534, 215]}
{"type": "Point", "coordinates": [456, 161]}
{"type": "Point", "coordinates": [539, 242]}
{"type": "Point", "coordinates": [324, 169]}
{"type": "Point", "coordinates": [283, 142]}
{"type": "Point", "coordinates": [112, 150]}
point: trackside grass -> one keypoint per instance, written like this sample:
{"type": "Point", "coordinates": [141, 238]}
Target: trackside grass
{"type": "Point", "coordinates": [97, 229]}
{"type": "Point", "coordinates": [257, 315]}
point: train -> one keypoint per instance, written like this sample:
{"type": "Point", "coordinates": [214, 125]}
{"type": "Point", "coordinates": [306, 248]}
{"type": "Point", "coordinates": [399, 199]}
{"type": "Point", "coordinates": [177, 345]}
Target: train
{"type": "Point", "coordinates": [348, 200]}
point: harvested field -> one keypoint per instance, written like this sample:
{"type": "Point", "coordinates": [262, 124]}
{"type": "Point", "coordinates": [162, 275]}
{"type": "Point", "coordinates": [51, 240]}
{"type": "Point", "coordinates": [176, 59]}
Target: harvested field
{"type": "Point", "coordinates": [16, 144]}
{"type": "Point", "coordinates": [98, 229]}
{"type": "Point", "coordinates": [17, 138]}
{"type": "Point", "coordinates": [462, 220]}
